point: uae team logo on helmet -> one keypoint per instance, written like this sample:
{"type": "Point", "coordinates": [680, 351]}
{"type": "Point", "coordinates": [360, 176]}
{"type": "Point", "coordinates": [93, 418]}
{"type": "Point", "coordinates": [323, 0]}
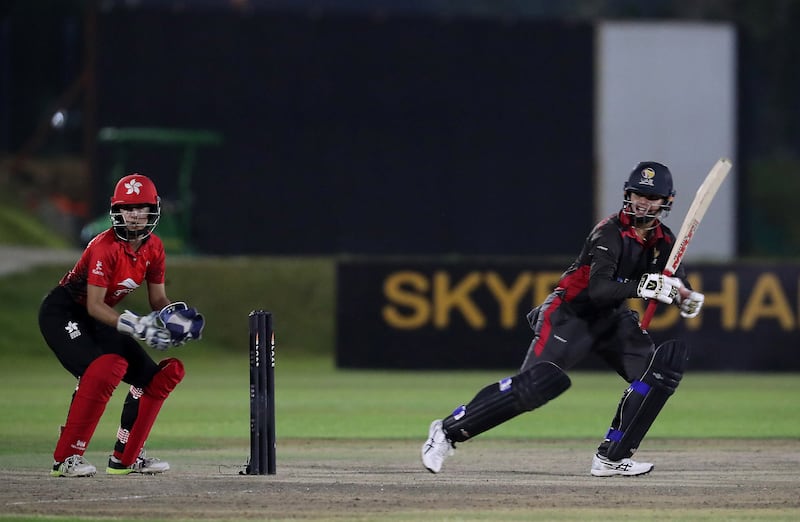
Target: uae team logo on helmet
{"type": "Point", "coordinates": [648, 175]}
{"type": "Point", "coordinates": [649, 178]}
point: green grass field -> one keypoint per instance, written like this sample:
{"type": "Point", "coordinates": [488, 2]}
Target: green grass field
{"type": "Point", "coordinates": [209, 410]}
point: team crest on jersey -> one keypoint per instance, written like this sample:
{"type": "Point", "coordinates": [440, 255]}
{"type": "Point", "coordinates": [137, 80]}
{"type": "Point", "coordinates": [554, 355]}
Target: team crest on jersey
{"type": "Point", "coordinates": [648, 175]}
{"type": "Point", "coordinates": [72, 330]}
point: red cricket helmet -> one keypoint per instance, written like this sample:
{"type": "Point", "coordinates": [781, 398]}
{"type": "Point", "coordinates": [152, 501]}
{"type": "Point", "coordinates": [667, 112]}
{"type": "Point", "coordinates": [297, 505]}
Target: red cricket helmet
{"type": "Point", "coordinates": [134, 190]}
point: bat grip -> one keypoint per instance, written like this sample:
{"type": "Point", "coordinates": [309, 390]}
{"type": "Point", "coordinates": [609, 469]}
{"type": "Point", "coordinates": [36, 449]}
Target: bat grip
{"type": "Point", "coordinates": [648, 313]}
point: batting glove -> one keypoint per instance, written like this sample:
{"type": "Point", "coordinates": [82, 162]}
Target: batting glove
{"type": "Point", "coordinates": [144, 328]}
{"type": "Point", "coordinates": [691, 305]}
{"type": "Point", "coordinates": [659, 286]}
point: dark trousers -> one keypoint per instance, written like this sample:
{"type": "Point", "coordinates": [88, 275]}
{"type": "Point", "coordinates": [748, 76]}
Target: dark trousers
{"type": "Point", "coordinates": [564, 338]}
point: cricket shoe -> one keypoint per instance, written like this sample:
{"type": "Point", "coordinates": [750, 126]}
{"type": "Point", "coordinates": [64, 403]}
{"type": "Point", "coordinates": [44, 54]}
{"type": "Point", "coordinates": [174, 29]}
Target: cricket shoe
{"type": "Point", "coordinates": [143, 464]}
{"type": "Point", "coordinates": [74, 466]}
{"type": "Point", "coordinates": [436, 448]}
{"type": "Point", "coordinates": [603, 467]}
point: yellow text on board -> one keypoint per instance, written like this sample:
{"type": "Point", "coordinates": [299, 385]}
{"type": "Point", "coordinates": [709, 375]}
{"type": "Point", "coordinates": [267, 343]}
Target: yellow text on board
{"type": "Point", "coordinates": [414, 299]}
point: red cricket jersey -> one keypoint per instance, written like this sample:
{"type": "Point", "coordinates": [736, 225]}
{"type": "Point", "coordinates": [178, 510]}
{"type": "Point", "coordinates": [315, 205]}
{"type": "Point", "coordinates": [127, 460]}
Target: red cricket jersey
{"type": "Point", "coordinates": [109, 262]}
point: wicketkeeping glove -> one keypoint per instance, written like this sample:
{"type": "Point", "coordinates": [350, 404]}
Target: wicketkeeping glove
{"type": "Point", "coordinates": [184, 323]}
{"type": "Point", "coordinates": [659, 286]}
{"type": "Point", "coordinates": [691, 305]}
{"type": "Point", "coordinates": [144, 328]}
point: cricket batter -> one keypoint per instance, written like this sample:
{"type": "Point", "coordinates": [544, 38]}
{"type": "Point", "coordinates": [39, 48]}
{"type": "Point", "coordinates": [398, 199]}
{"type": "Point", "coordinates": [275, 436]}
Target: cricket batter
{"type": "Point", "coordinates": [100, 346]}
{"type": "Point", "coordinates": [623, 257]}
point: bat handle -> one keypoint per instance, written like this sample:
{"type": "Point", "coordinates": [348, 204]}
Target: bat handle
{"type": "Point", "coordinates": [648, 313]}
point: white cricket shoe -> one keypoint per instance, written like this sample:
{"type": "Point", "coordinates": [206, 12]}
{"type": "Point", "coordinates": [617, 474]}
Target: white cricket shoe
{"type": "Point", "coordinates": [143, 464]}
{"type": "Point", "coordinates": [602, 467]}
{"type": "Point", "coordinates": [74, 466]}
{"type": "Point", "coordinates": [436, 448]}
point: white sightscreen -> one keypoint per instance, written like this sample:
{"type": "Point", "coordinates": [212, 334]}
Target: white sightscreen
{"type": "Point", "coordinates": [667, 93]}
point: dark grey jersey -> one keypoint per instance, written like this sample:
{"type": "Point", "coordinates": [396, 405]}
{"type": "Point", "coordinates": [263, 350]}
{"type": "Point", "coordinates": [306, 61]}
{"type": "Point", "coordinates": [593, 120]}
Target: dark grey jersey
{"type": "Point", "coordinates": [613, 259]}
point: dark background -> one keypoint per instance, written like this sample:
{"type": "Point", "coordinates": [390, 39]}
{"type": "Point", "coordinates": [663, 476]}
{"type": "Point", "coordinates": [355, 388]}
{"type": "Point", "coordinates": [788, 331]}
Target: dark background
{"type": "Point", "coordinates": [375, 127]}
{"type": "Point", "coordinates": [347, 133]}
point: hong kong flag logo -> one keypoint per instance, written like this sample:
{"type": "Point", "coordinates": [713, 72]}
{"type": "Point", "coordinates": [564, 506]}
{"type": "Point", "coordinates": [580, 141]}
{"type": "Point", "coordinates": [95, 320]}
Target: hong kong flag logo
{"type": "Point", "coordinates": [133, 186]}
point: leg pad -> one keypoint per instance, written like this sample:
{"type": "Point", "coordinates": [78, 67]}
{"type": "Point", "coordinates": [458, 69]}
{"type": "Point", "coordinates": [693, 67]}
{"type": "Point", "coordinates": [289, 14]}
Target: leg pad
{"type": "Point", "coordinates": [643, 400]}
{"type": "Point", "coordinates": [504, 400]}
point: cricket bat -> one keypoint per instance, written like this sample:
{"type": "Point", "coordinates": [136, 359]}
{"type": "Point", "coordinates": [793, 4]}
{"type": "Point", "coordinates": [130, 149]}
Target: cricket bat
{"type": "Point", "coordinates": [702, 200]}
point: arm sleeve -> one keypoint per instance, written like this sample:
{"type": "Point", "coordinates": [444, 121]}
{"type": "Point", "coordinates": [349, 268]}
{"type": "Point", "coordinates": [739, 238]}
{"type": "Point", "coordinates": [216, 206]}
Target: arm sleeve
{"type": "Point", "coordinates": [603, 285]}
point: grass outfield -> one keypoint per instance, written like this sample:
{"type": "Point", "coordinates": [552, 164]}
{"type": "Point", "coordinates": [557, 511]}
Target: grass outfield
{"type": "Point", "coordinates": [210, 409]}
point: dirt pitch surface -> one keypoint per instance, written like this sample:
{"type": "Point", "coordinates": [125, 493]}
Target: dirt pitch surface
{"type": "Point", "coordinates": [346, 479]}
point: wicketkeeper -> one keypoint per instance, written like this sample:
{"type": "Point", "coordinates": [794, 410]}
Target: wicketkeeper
{"type": "Point", "coordinates": [623, 257]}
{"type": "Point", "coordinates": [101, 347]}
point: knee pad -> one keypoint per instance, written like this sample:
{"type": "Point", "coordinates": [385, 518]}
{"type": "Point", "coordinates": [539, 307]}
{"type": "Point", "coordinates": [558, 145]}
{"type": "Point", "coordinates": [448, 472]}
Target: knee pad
{"type": "Point", "coordinates": [163, 382]}
{"type": "Point", "coordinates": [645, 397]}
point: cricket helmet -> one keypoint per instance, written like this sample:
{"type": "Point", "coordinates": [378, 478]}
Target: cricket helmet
{"type": "Point", "coordinates": [649, 178]}
{"type": "Point", "coordinates": [134, 190]}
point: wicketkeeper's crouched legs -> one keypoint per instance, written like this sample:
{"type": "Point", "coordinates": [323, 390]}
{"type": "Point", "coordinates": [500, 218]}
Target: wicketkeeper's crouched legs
{"type": "Point", "coordinates": [504, 400]}
{"type": "Point", "coordinates": [644, 399]}
{"type": "Point", "coordinates": [95, 388]}
{"type": "Point", "coordinates": [141, 409]}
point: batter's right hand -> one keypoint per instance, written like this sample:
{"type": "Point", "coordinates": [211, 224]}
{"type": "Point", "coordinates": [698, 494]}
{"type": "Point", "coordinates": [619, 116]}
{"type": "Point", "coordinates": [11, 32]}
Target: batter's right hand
{"type": "Point", "coordinates": [659, 286]}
